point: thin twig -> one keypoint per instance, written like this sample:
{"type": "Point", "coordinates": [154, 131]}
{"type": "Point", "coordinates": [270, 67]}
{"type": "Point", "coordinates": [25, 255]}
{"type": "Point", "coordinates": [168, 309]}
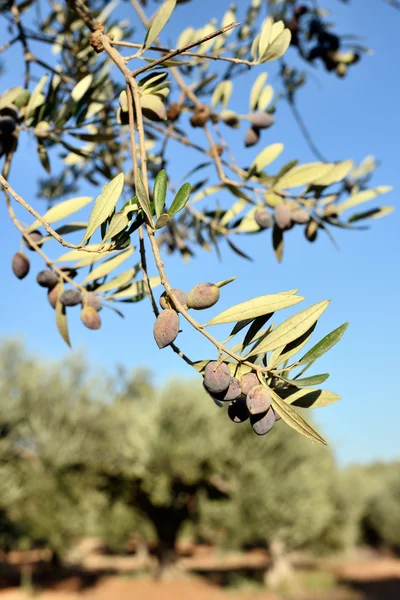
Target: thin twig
{"type": "Point", "coordinates": [43, 222]}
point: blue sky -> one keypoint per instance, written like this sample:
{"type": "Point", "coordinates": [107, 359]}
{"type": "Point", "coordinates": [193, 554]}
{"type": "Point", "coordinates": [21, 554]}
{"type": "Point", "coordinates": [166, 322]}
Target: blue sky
{"type": "Point", "coordinates": [349, 118]}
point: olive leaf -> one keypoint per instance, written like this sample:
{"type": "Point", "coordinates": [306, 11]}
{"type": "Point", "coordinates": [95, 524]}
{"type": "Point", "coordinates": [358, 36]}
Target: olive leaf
{"type": "Point", "coordinates": [108, 265]}
{"type": "Point", "coordinates": [120, 281]}
{"type": "Point", "coordinates": [292, 328]}
{"type": "Point", "coordinates": [267, 156]}
{"type": "Point", "coordinates": [180, 200]}
{"type": "Point", "coordinates": [63, 210]}
{"type": "Point", "coordinates": [143, 197]}
{"type": "Point", "coordinates": [160, 192]}
{"type": "Point", "coordinates": [324, 345]}
{"type": "Point", "coordinates": [361, 197]}
{"type": "Point", "coordinates": [250, 309]}
{"type": "Point", "coordinates": [159, 21]}
{"type": "Point", "coordinates": [61, 318]}
{"type": "Point", "coordinates": [81, 88]}
{"type": "Point", "coordinates": [293, 419]}
{"type": "Point", "coordinates": [309, 381]}
{"type": "Point", "coordinates": [104, 205]}
{"type": "Point", "coordinates": [309, 398]}
{"type": "Point", "coordinates": [119, 222]}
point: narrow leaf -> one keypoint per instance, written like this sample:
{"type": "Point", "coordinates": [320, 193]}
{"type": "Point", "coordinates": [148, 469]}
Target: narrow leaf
{"type": "Point", "coordinates": [136, 288]}
{"type": "Point", "coordinates": [293, 419]}
{"type": "Point", "coordinates": [160, 192]}
{"type": "Point", "coordinates": [119, 222]}
{"type": "Point", "coordinates": [309, 398]}
{"type": "Point", "coordinates": [158, 23]}
{"type": "Point", "coordinates": [281, 355]}
{"type": "Point", "coordinates": [362, 197]}
{"type": "Point", "coordinates": [262, 305]}
{"type": "Point", "coordinates": [303, 174]}
{"type": "Point", "coordinates": [108, 266]}
{"type": "Point", "coordinates": [309, 381]}
{"type": "Point", "coordinates": [221, 284]}
{"type": "Point", "coordinates": [81, 88]}
{"type": "Point", "coordinates": [180, 200]}
{"type": "Point", "coordinates": [324, 345]}
{"type": "Point", "coordinates": [143, 197]}
{"type": "Point", "coordinates": [293, 327]}
{"type": "Point", "coordinates": [267, 156]}
{"type": "Point", "coordinates": [63, 210]}
{"type": "Point", "coordinates": [162, 221]}
{"type": "Point", "coordinates": [120, 281]}
{"type": "Point", "coordinates": [256, 90]}
{"type": "Point", "coordinates": [61, 320]}
{"type": "Point", "coordinates": [104, 205]}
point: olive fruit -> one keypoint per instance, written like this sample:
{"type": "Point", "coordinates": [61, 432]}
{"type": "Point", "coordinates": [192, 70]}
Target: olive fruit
{"type": "Point", "coordinates": [300, 216]}
{"type": "Point", "coordinates": [36, 237]}
{"type": "Point", "coordinates": [258, 400]}
{"type": "Point", "coordinates": [247, 382]}
{"type": "Point", "coordinates": [261, 120]}
{"type": "Point", "coordinates": [237, 411]}
{"type": "Point", "coordinates": [165, 302]}
{"type": "Point", "coordinates": [71, 298]}
{"type": "Point", "coordinates": [93, 301]}
{"type": "Point", "coordinates": [263, 423]}
{"type": "Point", "coordinates": [166, 328]}
{"type": "Point", "coordinates": [263, 218]}
{"type": "Point", "coordinates": [251, 137]}
{"type": "Point", "coordinates": [90, 317]}
{"type": "Point", "coordinates": [216, 378]}
{"type": "Point", "coordinates": [203, 295]}
{"type": "Point", "coordinates": [47, 279]}
{"type": "Point", "coordinates": [231, 393]}
{"type": "Point", "coordinates": [20, 265]}
{"type": "Point", "coordinates": [54, 294]}
{"type": "Point", "coordinates": [283, 216]}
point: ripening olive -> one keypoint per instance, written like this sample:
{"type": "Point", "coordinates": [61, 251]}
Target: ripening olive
{"type": "Point", "coordinates": [166, 328]}
{"type": "Point", "coordinates": [217, 379]}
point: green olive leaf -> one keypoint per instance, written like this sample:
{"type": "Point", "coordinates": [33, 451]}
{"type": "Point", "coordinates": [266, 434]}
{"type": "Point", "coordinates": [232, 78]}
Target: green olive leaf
{"type": "Point", "coordinates": [293, 419]}
{"type": "Point", "coordinates": [108, 265]}
{"type": "Point", "coordinates": [63, 210]}
{"type": "Point", "coordinates": [250, 309]}
{"type": "Point", "coordinates": [180, 200]}
{"type": "Point", "coordinates": [143, 197]}
{"type": "Point", "coordinates": [81, 88]}
{"type": "Point", "coordinates": [104, 205]}
{"type": "Point", "coordinates": [61, 319]}
{"type": "Point", "coordinates": [309, 398]}
{"type": "Point", "coordinates": [159, 21]}
{"type": "Point", "coordinates": [292, 328]}
{"type": "Point", "coordinates": [160, 192]}
{"type": "Point", "coordinates": [324, 345]}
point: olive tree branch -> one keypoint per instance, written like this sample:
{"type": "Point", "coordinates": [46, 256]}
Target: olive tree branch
{"type": "Point", "coordinates": [43, 222]}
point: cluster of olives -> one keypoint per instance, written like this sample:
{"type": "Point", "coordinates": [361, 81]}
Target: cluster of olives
{"type": "Point", "coordinates": [285, 217]}
{"type": "Point", "coordinates": [91, 303]}
{"type": "Point", "coordinates": [9, 116]}
{"type": "Point", "coordinates": [259, 121]}
{"type": "Point", "coordinates": [166, 327]}
{"type": "Point", "coordinates": [247, 397]}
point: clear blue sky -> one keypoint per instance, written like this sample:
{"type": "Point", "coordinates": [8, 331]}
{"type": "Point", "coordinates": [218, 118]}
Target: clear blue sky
{"type": "Point", "coordinates": [349, 118]}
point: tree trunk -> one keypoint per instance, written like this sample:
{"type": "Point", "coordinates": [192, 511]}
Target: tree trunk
{"type": "Point", "coordinates": [167, 532]}
{"type": "Point", "coordinates": [280, 574]}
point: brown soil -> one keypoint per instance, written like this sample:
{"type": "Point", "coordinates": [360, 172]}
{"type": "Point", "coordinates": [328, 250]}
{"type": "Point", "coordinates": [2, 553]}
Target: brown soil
{"type": "Point", "coordinates": [368, 579]}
